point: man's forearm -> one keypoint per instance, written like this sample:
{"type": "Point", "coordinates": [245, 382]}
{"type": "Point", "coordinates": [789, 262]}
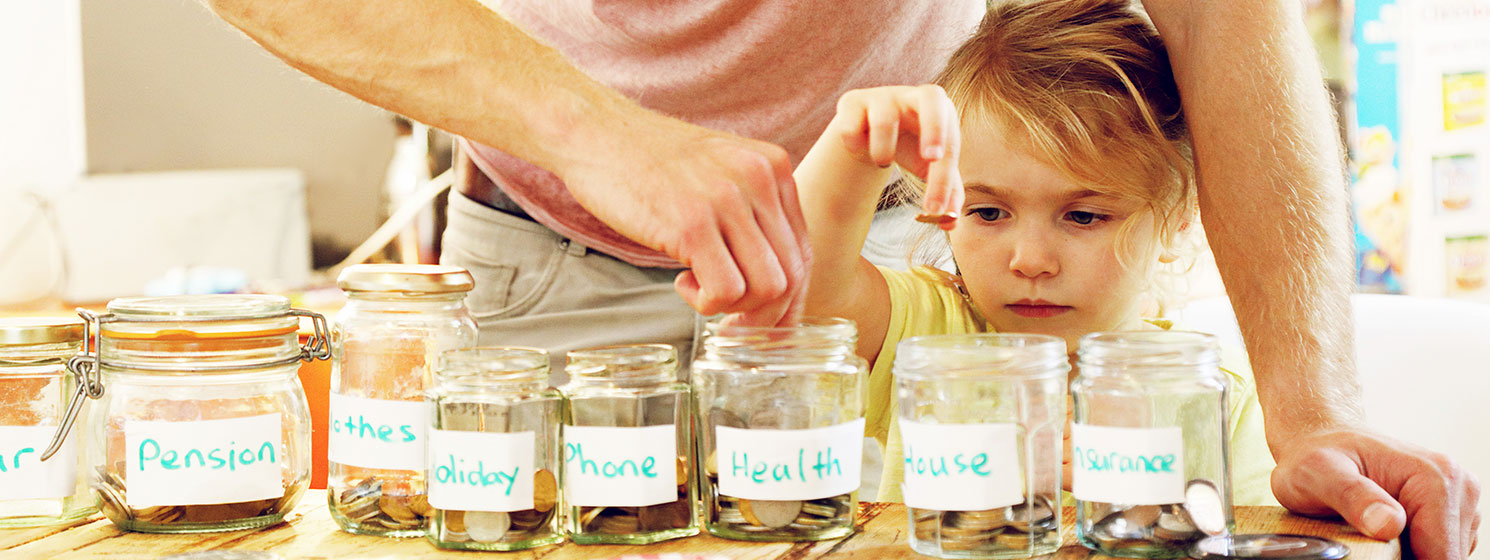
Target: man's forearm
{"type": "Point", "coordinates": [1272, 199]}
{"type": "Point", "coordinates": [453, 64]}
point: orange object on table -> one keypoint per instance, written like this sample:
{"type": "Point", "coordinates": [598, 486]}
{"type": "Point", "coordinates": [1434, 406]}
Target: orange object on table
{"type": "Point", "coordinates": [315, 377]}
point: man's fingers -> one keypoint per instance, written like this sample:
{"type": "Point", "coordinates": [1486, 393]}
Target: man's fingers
{"type": "Point", "coordinates": [715, 283]}
{"type": "Point", "coordinates": [1326, 480]}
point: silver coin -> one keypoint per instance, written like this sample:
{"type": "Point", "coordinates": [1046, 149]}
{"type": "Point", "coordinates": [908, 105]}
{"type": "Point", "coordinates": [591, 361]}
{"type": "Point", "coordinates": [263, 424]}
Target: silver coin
{"type": "Point", "coordinates": [487, 526]}
{"type": "Point", "coordinates": [771, 513]}
{"type": "Point", "coordinates": [1203, 504]}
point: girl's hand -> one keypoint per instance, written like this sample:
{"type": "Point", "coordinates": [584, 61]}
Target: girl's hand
{"type": "Point", "coordinates": [916, 127]}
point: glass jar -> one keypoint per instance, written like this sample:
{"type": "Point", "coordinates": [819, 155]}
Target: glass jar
{"type": "Point", "coordinates": [782, 429]}
{"type": "Point", "coordinates": [981, 417]}
{"type": "Point", "coordinates": [1150, 427]}
{"type": "Point", "coordinates": [494, 451]}
{"type": "Point", "coordinates": [627, 466]}
{"type": "Point", "coordinates": [397, 321]}
{"type": "Point", "coordinates": [202, 424]}
{"type": "Point", "coordinates": [33, 396]}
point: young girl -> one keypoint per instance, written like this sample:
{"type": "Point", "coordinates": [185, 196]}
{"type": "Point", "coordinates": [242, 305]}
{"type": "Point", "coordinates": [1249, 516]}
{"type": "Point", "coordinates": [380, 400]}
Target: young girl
{"type": "Point", "coordinates": [1055, 154]}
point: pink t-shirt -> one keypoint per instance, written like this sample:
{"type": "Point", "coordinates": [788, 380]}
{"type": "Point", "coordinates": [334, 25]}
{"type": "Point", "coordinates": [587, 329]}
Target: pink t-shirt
{"type": "Point", "coordinates": [766, 69]}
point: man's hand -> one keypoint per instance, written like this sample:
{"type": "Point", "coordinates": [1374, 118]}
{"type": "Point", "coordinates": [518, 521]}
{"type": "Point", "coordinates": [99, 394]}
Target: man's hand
{"type": "Point", "coordinates": [1380, 486]}
{"type": "Point", "coordinates": [724, 206]}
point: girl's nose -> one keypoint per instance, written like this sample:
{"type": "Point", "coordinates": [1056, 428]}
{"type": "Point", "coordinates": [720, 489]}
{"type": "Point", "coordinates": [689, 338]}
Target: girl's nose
{"type": "Point", "coordinates": [1034, 254]}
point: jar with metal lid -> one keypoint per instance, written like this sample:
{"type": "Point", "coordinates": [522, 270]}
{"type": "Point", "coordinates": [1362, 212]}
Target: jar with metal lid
{"type": "Point", "coordinates": [202, 424]}
{"type": "Point", "coordinates": [781, 418]}
{"type": "Point", "coordinates": [980, 419]}
{"type": "Point", "coordinates": [34, 389]}
{"type": "Point", "coordinates": [627, 446]}
{"type": "Point", "coordinates": [494, 451]}
{"type": "Point", "coordinates": [1149, 447]}
{"type": "Point", "coordinates": [397, 321]}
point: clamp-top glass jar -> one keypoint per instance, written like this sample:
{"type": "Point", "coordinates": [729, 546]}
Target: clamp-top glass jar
{"type": "Point", "coordinates": [1149, 441]}
{"type": "Point", "coordinates": [781, 419]}
{"type": "Point", "coordinates": [386, 340]}
{"type": "Point", "coordinates": [980, 419]}
{"type": "Point", "coordinates": [494, 451]}
{"type": "Point", "coordinates": [627, 469]}
{"type": "Point", "coordinates": [33, 395]}
{"type": "Point", "coordinates": [202, 424]}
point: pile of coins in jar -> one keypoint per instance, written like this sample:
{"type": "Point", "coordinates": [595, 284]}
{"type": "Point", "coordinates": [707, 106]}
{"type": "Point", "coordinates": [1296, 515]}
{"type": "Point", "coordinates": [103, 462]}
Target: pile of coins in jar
{"type": "Point", "coordinates": [489, 527]}
{"type": "Point", "coordinates": [365, 503]}
{"type": "Point", "coordinates": [1012, 528]}
{"type": "Point", "coordinates": [114, 505]}
{"type": "Point", "coordinates": [626, 520]}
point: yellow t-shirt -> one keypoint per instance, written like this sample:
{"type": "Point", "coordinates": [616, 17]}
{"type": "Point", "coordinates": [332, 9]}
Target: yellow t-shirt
{"type": "Point", "coordinates": [921, 304]}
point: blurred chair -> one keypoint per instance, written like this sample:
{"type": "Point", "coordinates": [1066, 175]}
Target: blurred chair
{"type": "Point", "coordinates": [1424, 367]}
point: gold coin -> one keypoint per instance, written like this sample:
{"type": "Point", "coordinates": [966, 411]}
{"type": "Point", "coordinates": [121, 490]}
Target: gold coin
{"type": "Point", "coordinates": [770, 513]}
{"type": "Point", "coordinates": [454, 520]}
{"type": "Point", "coordinates": [545, 491]}
{"type": "Point", "coordinates": [588, 516]}
{"type": "Point", "coordinates": [712, 464]}
{"type": "Point", "coordinates": [682, 470]}
{"type": "Point", "coordinates": [528, 519]}
{"type": "Point", "coordinates": [419, 504]}
{"type": "Point", "coordinates": [397, 508]}
{"type": "Point", "coordinates": [619, 524]}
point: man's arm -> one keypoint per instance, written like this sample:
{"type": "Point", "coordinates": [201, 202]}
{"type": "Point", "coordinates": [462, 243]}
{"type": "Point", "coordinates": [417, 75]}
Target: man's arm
{"type": "Point", "coordinates": [722, 205]}
{"type": "Point", "coordinates": [1275, 208]}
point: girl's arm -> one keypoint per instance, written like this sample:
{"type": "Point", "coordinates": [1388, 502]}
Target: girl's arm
{"type": "Point", "coordinates": [839, 183]}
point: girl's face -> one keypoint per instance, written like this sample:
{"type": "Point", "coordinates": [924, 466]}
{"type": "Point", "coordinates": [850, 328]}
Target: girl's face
{"type": "Point", "coordinates": [1037, 251]}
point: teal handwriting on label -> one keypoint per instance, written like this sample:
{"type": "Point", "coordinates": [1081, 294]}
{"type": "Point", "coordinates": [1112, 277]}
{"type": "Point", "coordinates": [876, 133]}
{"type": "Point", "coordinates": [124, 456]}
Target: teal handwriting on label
{"type": "Point", "coordinates": [575, 453]}
{"type": "Point", "coordinates": [942, 465]}
{"type": "Point", "coordinates": [450, 473]}
{"type": "Point", "coordinates": [359, 427]}
{"type": "Point", "coordinates": [228, 457]}
{"type": "Point", "coordinates": [15, 460]}
{"type": "Point", "coordinates": [1097, 461]}
{"type": "Point", "coordinates": [762, 472]}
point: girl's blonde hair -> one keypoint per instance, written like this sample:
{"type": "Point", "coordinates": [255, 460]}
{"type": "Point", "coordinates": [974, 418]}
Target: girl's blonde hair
{"type": "Point", "coordinates": [1085, 87]}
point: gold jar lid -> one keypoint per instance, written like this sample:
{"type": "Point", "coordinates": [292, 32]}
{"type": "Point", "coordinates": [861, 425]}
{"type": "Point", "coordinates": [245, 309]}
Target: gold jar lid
{"type": "Point", "coordinates": [405, 278]}
{"type": "Point", "coordinates": [40, 330]}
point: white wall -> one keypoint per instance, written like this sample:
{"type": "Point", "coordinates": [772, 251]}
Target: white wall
{"type": "Point", "coordinates": [41, 97]}
{"type": "Point", "coordinates": [170, 86]}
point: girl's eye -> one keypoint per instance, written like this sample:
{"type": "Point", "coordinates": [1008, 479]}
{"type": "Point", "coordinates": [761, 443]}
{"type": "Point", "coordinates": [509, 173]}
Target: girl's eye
{"type": "Point", "coordinates": [988, 214]}
{"type": "Point", "coordinates": [1085, 218]}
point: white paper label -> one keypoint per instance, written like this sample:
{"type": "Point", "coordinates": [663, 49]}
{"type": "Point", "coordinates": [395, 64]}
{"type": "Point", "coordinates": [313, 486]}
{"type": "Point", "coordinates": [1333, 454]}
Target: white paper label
{"type": "Point", "coordinates": [790, 464]}
{"type": "Point", "coordinates": [607, 466]}
{"type": "Point", "coordinates": [203, 461]}
{"type": "Point", "coordinates": [961, 467]}
{"type": "Point", "coordinates": [1135, 466]}
{"type": "Point", "coordinates": [23, 475]}
{"type": "Point", "coordinates": [376, 433]}
{"type": "Point", "coordinates": [481, 471]}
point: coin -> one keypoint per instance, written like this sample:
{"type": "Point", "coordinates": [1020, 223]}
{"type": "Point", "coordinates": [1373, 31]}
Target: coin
{"type": "Point", "coordinates": [986, 520]}
{"type": "Point", "coordinates": [671, 515]}
{"type": "Point", "coordinates": [545, 491]}
{"type": "Point", "coordinates": [419, 504]}
{"type": "Point", "coordinates": [588, 517]}
{"type": "Point", "coordinates": [1116, 527]}
{"type": "Point", "coordinates": [722, 417]}
{"type": "Point", "coordinates": [454, 520]}
{"type": "Point", "coordinates": [1204, 506]}
{"type": "Point", "coordinates": [1037, 513]}
{"type": "Point", "coordinates": [528, 519]}
{"type": "Point", "coordinates": [397, 508]}
{"type": "Point", "coordinates": [818, 509]}
{"type": "Point", "coordinates": [682, 470]}
{"type": "Point", "coordinates": [1141, 516]}
{"type": "Point", "coordinates": [487, 526]}
{"type": "Point", "coordinates": [712, 464]}
{"type": "Point", "coordinates": [770, 513]}
{"type": "Point", "coordinates": [1175, 526]}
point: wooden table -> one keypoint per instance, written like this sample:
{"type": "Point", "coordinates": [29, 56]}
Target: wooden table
{"type": "Point", "coordinates": [309, 533]}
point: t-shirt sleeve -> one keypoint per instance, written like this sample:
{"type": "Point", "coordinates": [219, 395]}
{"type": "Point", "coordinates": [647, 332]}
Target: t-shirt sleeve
{"type": "Point", "coordinates": [1251, 461]}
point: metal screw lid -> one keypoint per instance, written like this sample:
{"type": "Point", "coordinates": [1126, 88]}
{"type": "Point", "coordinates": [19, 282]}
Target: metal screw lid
{"type": "Point", "coordinates": [40, 330]}
{"type": "Point", "coordinates": [405, 278]}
